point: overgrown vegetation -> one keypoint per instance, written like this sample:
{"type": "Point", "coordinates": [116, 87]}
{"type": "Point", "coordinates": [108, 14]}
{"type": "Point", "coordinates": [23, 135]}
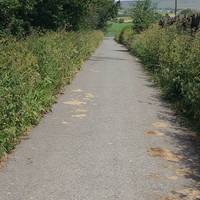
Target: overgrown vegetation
{"type": "Point", "coordinates": [173, 59]}
{"type": "Point", "coordinates": [172, 56]}
{"type": "Point", "coordinates": [40, 53]}
{"type": "Point", "coordinates": [32, 72]}
{"type": "Point", "coordinates": [21, 17]}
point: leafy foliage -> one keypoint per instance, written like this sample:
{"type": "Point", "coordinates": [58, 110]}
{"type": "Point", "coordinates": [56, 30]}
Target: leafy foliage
{"type": "Point", "coordinates": [19, 17]}
{"type": "Point", "coordinates": [102, 11]}
{"type": "Point", "coordinates": [32, 72]}
{"type": "Point", "coordinates": [144, 15]}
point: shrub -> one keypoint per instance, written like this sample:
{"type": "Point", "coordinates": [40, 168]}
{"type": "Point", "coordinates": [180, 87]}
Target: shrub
{"type": "Point", "coordinates": [32, 72]}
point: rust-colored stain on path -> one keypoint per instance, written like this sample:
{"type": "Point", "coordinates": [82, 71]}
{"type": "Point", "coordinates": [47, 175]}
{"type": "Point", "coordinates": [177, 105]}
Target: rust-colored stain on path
{"type": "Point", "coordinates": [154, 176]}
{"type": "Point", "coordinates": [184, 194]}
{"type": "Point", "coordinates": [183, 172]}
{"type": "Point", "coordinates": [164, 154]}
{"type": "Point", "coordinates": [173, 178]}
{"type": "Point", "coordinates": [154, 133]}
{"type": "Point", "coordinates": [160, 124]}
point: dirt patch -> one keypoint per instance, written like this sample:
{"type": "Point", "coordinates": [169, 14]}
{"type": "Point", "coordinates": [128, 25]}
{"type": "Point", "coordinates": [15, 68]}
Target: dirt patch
{"type": "Point", "coordinates": [184, 194]}
{"type": "Point", "coordinates": [160, 125]}
{"type": "Point", "coordinates": [164, 154]}
{"type": "Point", "coordinates": [3, 161]}
{"type": "Point", "coordinates": [173, 178]}
{"type": "Point", "coordinates": [188, 194]}
{"type": "Point", "coordinates": [154, 176]}
{"type": "Point", "coordinates": [154, 133]}
{"type": "Point", "coordinates": [183, 172]}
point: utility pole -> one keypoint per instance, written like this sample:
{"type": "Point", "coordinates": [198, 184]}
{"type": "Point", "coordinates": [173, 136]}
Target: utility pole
{"type": "Point", "coordinates": [176, 6]}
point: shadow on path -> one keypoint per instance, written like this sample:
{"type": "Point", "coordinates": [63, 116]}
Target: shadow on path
{"type": "Point", "coordinates": [180, 133]}
{"type": "Point", "coordinates": [122, 50]}
{"type": "Point", "coordinates": [103, 58]}
{"type": "Point", "coordinates": [187, 141]}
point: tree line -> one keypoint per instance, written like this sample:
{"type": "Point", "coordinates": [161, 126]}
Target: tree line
{"type": "Point", "coordinates": [22, 17]}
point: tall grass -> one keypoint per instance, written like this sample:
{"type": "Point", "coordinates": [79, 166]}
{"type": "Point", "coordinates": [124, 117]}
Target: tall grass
{"type": "Point", "coordinates": [32, 72]}
{"type": "Point", "coordinates": [173, 59]}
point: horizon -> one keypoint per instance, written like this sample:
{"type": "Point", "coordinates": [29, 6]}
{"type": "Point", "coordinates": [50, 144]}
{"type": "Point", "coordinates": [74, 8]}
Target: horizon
{"type": "Point", "coordinates": [163, 4]}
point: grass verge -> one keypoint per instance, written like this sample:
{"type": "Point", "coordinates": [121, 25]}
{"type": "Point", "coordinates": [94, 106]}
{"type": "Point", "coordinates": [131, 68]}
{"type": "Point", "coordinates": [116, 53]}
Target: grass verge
{"type": "Point", "coordinates": [32, 72]}
{"type": "Point", "coordinates": [173, 60]}
{"type": "Point", "coordinates": [114, 28]}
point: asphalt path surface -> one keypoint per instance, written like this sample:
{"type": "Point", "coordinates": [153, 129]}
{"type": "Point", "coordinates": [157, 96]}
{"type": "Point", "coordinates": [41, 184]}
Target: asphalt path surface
{"type": "Point", "coordinates": [109, 137]}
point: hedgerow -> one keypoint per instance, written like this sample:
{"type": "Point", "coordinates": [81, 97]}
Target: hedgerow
{"type": "Point", "coordinates": [32, 72]}
{"type": "Point", "coordinates": [173, 59]}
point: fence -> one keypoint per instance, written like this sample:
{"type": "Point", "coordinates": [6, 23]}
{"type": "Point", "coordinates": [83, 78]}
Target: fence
{"type": "Point", "coordinates": [186, 23]}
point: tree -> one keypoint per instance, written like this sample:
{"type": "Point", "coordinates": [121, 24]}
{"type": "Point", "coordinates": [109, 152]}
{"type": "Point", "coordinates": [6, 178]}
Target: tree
{"type": "Point", "coordinates": [18, 17]}
{"type": "Point", "coordinates": [101, 11]}
{"type": "Point", "coordinates": [144, 15]}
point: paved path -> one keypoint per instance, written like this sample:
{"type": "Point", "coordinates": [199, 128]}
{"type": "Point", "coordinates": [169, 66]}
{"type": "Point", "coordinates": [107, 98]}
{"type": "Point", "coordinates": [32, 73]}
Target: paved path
{"type": "Point", "coordinates": [93, 145]}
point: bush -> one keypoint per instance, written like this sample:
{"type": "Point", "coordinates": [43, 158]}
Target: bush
{"type": "Point", "coordinates": [173, 59]}
{"type": "Point", "coordinates": [32, 72]}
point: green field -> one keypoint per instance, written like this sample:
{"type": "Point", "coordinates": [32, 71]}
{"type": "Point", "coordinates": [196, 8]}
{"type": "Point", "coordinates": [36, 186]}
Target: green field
{"type": "Point", "coordinates": [114, 29]}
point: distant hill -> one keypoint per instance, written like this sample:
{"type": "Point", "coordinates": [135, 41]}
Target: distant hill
{"type": "Point", "coordinates": [182, 4]}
